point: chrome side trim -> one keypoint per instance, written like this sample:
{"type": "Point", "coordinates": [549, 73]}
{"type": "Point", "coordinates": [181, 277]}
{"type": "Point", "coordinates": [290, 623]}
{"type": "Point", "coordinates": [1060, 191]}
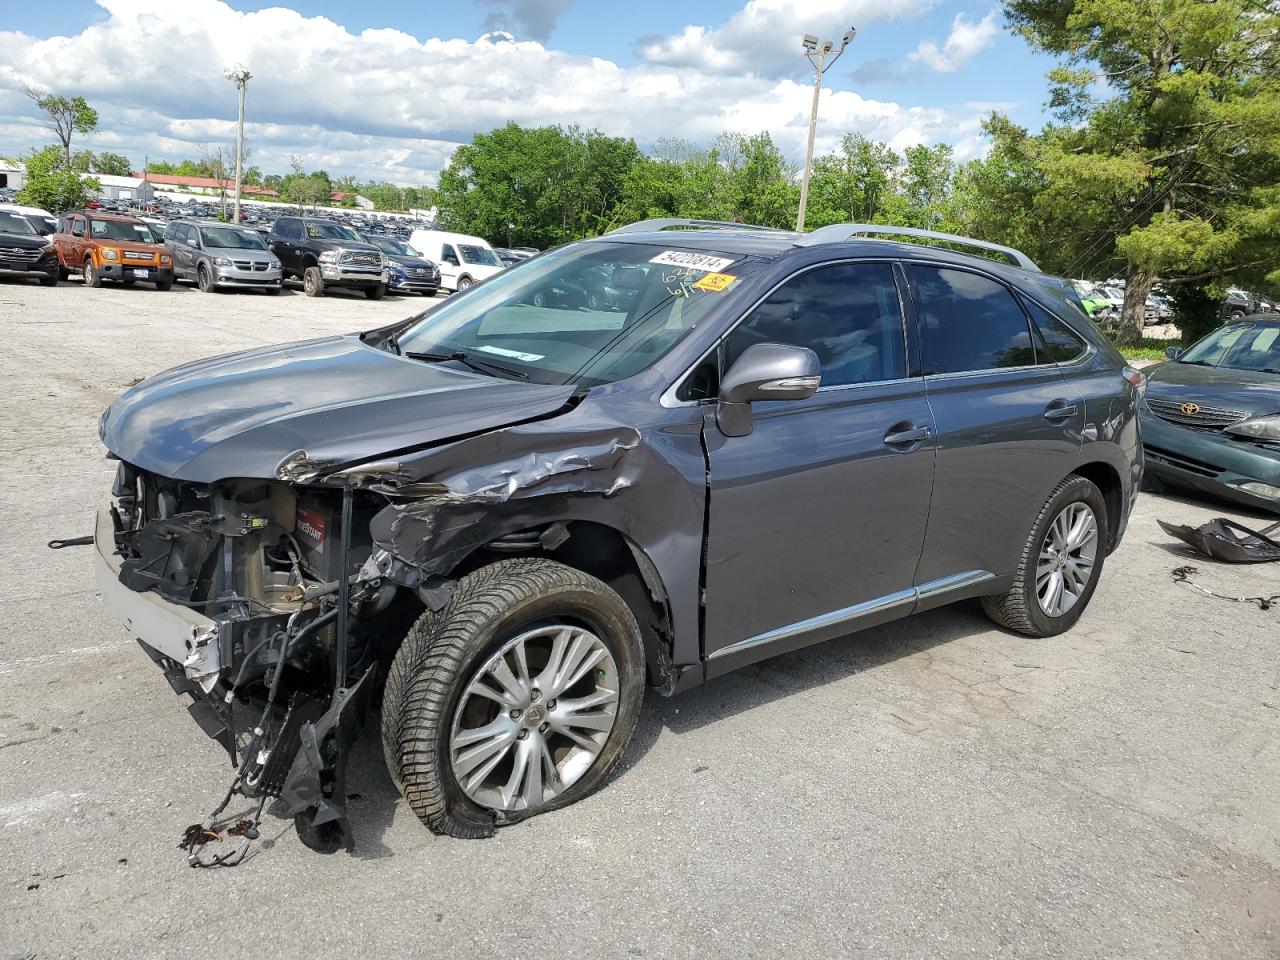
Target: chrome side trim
{"type": "Point", "coordinates": [858, 611]}
{"type": "Point", "coordinates": [835, 617]}
{"type": "Point", "coordinates": [927, 591]}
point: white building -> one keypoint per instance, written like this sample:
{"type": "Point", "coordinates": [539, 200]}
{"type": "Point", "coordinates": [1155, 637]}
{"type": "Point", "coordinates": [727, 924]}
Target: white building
{"type": "Point", "coordinates": [124, 188]}
{"type": "Point", "coordinates": [11, 177]}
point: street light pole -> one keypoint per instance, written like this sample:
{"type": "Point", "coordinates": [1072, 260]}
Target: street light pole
{"type": "Point", "coordinates": [813, 47]}
{"type": "Point", "coordinates": [241, 78]}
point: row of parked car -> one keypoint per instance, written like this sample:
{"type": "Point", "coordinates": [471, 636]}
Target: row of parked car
{"type": "Point", "coordinates": [101, 245]}
{"type": "Point", "coordinates": [1104, 300]}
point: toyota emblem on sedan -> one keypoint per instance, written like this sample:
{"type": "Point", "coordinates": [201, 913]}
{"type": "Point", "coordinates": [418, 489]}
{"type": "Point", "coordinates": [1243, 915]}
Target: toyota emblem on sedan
{"type": "Point", "coordinates": [1190, 409]}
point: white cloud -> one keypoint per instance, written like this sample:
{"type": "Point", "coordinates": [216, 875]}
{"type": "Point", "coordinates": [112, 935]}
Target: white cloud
{"type": "Point", "coordinates": [384, 104]}
{"type": "Point", "coordinates": [964, 43]}
{"type": "Point", "coordinates": [764, 36]}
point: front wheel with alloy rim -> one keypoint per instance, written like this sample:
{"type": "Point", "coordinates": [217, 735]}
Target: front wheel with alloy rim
{"type": "Point", "coordinates": [516, 698]}
{"type": "Point", "coordinates": [91, 276]}
{"type": "Point", "coordinates": [1060, 564]}
{"type": "Point", "coordinates": [204, 280]}
{"type": "Point", "coordinates": [464, 283]}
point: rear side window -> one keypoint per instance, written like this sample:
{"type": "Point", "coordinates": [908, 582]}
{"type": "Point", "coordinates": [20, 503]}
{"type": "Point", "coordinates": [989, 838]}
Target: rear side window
{"type": "Point", "coordinates": [970, 322]}
{"type": "Point", "coordinates": [1058, 342]}
{"type": "Point", "coordinates": [846, 313]}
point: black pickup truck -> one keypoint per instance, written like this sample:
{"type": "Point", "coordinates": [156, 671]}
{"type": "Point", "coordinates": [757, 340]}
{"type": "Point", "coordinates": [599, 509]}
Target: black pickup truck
{"type": "Point", "coordinates": [327, 254]}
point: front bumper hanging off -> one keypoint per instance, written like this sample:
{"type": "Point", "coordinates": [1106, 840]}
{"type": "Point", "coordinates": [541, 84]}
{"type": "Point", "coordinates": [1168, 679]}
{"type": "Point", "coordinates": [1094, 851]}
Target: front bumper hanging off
{"type": "Point", "coordinates": [306, 765]}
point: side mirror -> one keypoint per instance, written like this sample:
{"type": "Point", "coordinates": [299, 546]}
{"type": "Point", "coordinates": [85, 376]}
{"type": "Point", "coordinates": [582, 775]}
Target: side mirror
{"type": "Point", "coordinates": [1172, 353]}
{"type": "Point", "coordinates": [765, 371]}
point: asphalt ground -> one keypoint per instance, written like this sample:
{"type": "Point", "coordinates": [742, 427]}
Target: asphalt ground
{"type": "Point", "coordinates": [933, 788]}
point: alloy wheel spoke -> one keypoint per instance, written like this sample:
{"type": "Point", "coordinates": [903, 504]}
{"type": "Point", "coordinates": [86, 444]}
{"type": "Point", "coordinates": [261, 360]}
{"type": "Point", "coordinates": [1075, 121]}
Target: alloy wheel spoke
{"type": "Point", "coordinates": [514, 750]}
{"type": "Point", "coordinates": [493, 748]}
{"type": "Point", "coordinates": [1082, 531]}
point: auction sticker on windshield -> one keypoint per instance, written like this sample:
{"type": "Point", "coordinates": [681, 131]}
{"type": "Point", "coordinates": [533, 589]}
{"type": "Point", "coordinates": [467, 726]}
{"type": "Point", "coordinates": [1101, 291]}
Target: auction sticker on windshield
{"type": "Point", "coordinates": [692, 261]}
{"type": "Point", "coordinates": [513, 354]}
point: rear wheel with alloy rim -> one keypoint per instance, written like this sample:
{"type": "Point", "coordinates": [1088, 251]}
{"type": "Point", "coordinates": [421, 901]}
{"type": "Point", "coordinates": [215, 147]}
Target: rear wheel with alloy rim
{"type": "Point", "coordinates": [1060, 564]}
{"type": "Point", "coordinates": [516, 698]}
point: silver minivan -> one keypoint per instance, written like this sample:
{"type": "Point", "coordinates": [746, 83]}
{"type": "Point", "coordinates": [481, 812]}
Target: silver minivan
{"type": "Point", "coordinates": [222, 256]}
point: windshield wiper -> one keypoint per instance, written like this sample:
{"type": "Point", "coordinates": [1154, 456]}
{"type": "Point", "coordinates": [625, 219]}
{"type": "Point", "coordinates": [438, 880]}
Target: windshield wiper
{"type": "Point", "coordinates": [480, 366]}
{"type": "Point", "coordinates": [1195, 363]}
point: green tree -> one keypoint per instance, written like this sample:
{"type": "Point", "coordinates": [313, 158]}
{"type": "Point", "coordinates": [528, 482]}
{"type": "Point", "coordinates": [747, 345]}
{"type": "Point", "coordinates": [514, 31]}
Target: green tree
{"type": "Point", "coordinates": [51, 184]}
{"type": "Point", "coordinates": [113, 164]}
{"type": "Point", "coordinates": [540, 186]}
{"type": "Point", "coordinates": [853, 185]}
{"type": "Point", "coordinates": [928, 186]}
{"type": "Point", "coordinates": [65, 117]}
{"type": "Point", "coordinates": [1165, 164]}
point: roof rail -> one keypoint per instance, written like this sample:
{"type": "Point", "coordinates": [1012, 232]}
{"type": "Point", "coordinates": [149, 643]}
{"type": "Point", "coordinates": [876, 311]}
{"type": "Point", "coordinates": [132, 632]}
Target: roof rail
{"type": "Point", "coordinates": [666, 223]}
{"type": "Point", "coordinates": [848, 231]}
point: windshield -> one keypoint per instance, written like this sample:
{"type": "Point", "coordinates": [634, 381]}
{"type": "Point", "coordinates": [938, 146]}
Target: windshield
{"type": "Point", "coordinates": [231, 238]}
{"type": "Point", "coordinates": [16, 223]}
{"type": "Point", "coordinates": [330, 231]}
{"type": "Point", "coordinates": [472, 254]}
{"type": "Point", "coordinates": [395, 247]}
{"type": "Point", "coordinates": [588, 313]}
{"type": "Point", "coordinates": [120, 230]}
{"type": "Point", "coordinates": [1241, 346]}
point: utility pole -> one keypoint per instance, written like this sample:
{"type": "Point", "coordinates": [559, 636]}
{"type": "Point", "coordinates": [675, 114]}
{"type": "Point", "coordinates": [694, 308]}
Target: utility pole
{"type": "Point", "coordinates": [240, 76]}
{"type": "Point", "coordinates": [822, 49]}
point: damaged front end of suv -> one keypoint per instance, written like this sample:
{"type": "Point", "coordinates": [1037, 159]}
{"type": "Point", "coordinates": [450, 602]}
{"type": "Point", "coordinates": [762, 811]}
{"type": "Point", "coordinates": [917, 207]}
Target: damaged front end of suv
{"type": "Point", "coordinates": [283, 518]}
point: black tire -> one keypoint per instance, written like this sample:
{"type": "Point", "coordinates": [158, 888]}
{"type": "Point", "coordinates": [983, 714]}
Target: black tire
{"type": "Point", "coordinates": [312, 282]}
{"type": "Point", "coordinates": [375, 293]}
{"type": "Point", "coordinates": [91, 276]}
{"type": "Point", "coordinates": [273, 291]}
{"type": "Point", "coordinates": [164, 285]}
{"type": "Point", "coordinates": [444, 649]}
{"type": "Point", "coordinates": [63, 272]}
{"type": "Point", "coordinates": [204, 281]}
{"type": "Point", "coordinates": [1019, 609]}
{"type": "Point", "coordinates": [593, 302]}
{"type": "Point", "coordinates": [539, 299]}
{"type": "Point", "coordinates": [48, 281]}
{"type": "Point", "coordinates": [464, 283]}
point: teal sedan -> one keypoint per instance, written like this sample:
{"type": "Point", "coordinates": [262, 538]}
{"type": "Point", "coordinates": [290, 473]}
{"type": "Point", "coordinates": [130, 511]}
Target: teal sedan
{"type": "Point", "coordinates": [1211, 415]}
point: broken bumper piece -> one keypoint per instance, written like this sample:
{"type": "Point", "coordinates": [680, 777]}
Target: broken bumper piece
{"type": "Point", "coordinates": [181, 634]}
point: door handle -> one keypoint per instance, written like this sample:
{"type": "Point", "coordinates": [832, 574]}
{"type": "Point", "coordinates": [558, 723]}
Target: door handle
{"type": "Point", "coordinates": [1061, 410]}
{"type": "Point", "coordinates": [906, 435]}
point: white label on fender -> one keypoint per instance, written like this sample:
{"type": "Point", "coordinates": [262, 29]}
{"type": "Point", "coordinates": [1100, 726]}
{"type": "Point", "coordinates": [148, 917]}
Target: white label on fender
{"type": "Point", "coordinates": [692, 261]}
{"type": "Point", "coordinates": [513, 354]}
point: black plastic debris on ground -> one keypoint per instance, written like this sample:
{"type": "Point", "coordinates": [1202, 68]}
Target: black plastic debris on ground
{"type": "Point", "coordinates": [1228, 541]}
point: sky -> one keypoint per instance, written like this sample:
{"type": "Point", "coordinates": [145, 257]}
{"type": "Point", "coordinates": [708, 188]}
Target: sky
{"type": "Point", "coordinates": [386, 89]}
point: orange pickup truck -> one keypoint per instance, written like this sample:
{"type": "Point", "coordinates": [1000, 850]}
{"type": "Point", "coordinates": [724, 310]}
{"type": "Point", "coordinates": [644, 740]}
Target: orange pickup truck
{"type": "Point", "coordinates": [107, 247]}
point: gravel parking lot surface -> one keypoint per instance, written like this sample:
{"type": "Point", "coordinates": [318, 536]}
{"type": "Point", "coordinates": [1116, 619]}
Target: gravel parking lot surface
{"type": "Point", "coordinates": [932, 788]}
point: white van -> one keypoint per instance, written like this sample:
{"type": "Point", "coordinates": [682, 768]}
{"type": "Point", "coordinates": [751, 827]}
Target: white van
{"type": "Point", "coordinates": [463, 260]}
{"type": "Point", "coordinates": [43, 221]}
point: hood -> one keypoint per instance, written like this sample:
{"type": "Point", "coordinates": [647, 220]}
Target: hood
{"type": "Point", "coordinates": [1249, 391]}
{"type": "Point", "coordinates": [321, 243]}
{"type": "Point", "coordinates": [418, 263]}
{"type": "Point", "coordinates": [337, 399]}
{"type": "Point", "coordinates": [22, 241]}
{"type": "Point", "coordinates": [135, 245]}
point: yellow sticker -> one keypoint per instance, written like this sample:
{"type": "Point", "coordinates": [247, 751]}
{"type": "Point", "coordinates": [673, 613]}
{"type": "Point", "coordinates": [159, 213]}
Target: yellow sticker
{"type": "Point", "coordinates": [715, 282]}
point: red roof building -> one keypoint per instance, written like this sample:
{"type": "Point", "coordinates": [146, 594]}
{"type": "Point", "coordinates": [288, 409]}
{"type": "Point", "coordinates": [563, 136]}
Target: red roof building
{"type": "Point", "coordinates": [204, 184]}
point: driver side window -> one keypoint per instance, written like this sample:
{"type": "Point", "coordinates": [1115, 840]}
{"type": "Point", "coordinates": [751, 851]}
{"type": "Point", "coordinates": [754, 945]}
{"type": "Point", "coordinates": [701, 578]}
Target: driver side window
{"type": "Point", "coordinates": [847, 313]}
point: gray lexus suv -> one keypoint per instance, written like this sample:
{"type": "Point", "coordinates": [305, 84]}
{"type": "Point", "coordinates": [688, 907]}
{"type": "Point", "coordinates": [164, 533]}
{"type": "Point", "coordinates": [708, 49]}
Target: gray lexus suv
{"type": "Point", "coordinates": [493, 524]}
